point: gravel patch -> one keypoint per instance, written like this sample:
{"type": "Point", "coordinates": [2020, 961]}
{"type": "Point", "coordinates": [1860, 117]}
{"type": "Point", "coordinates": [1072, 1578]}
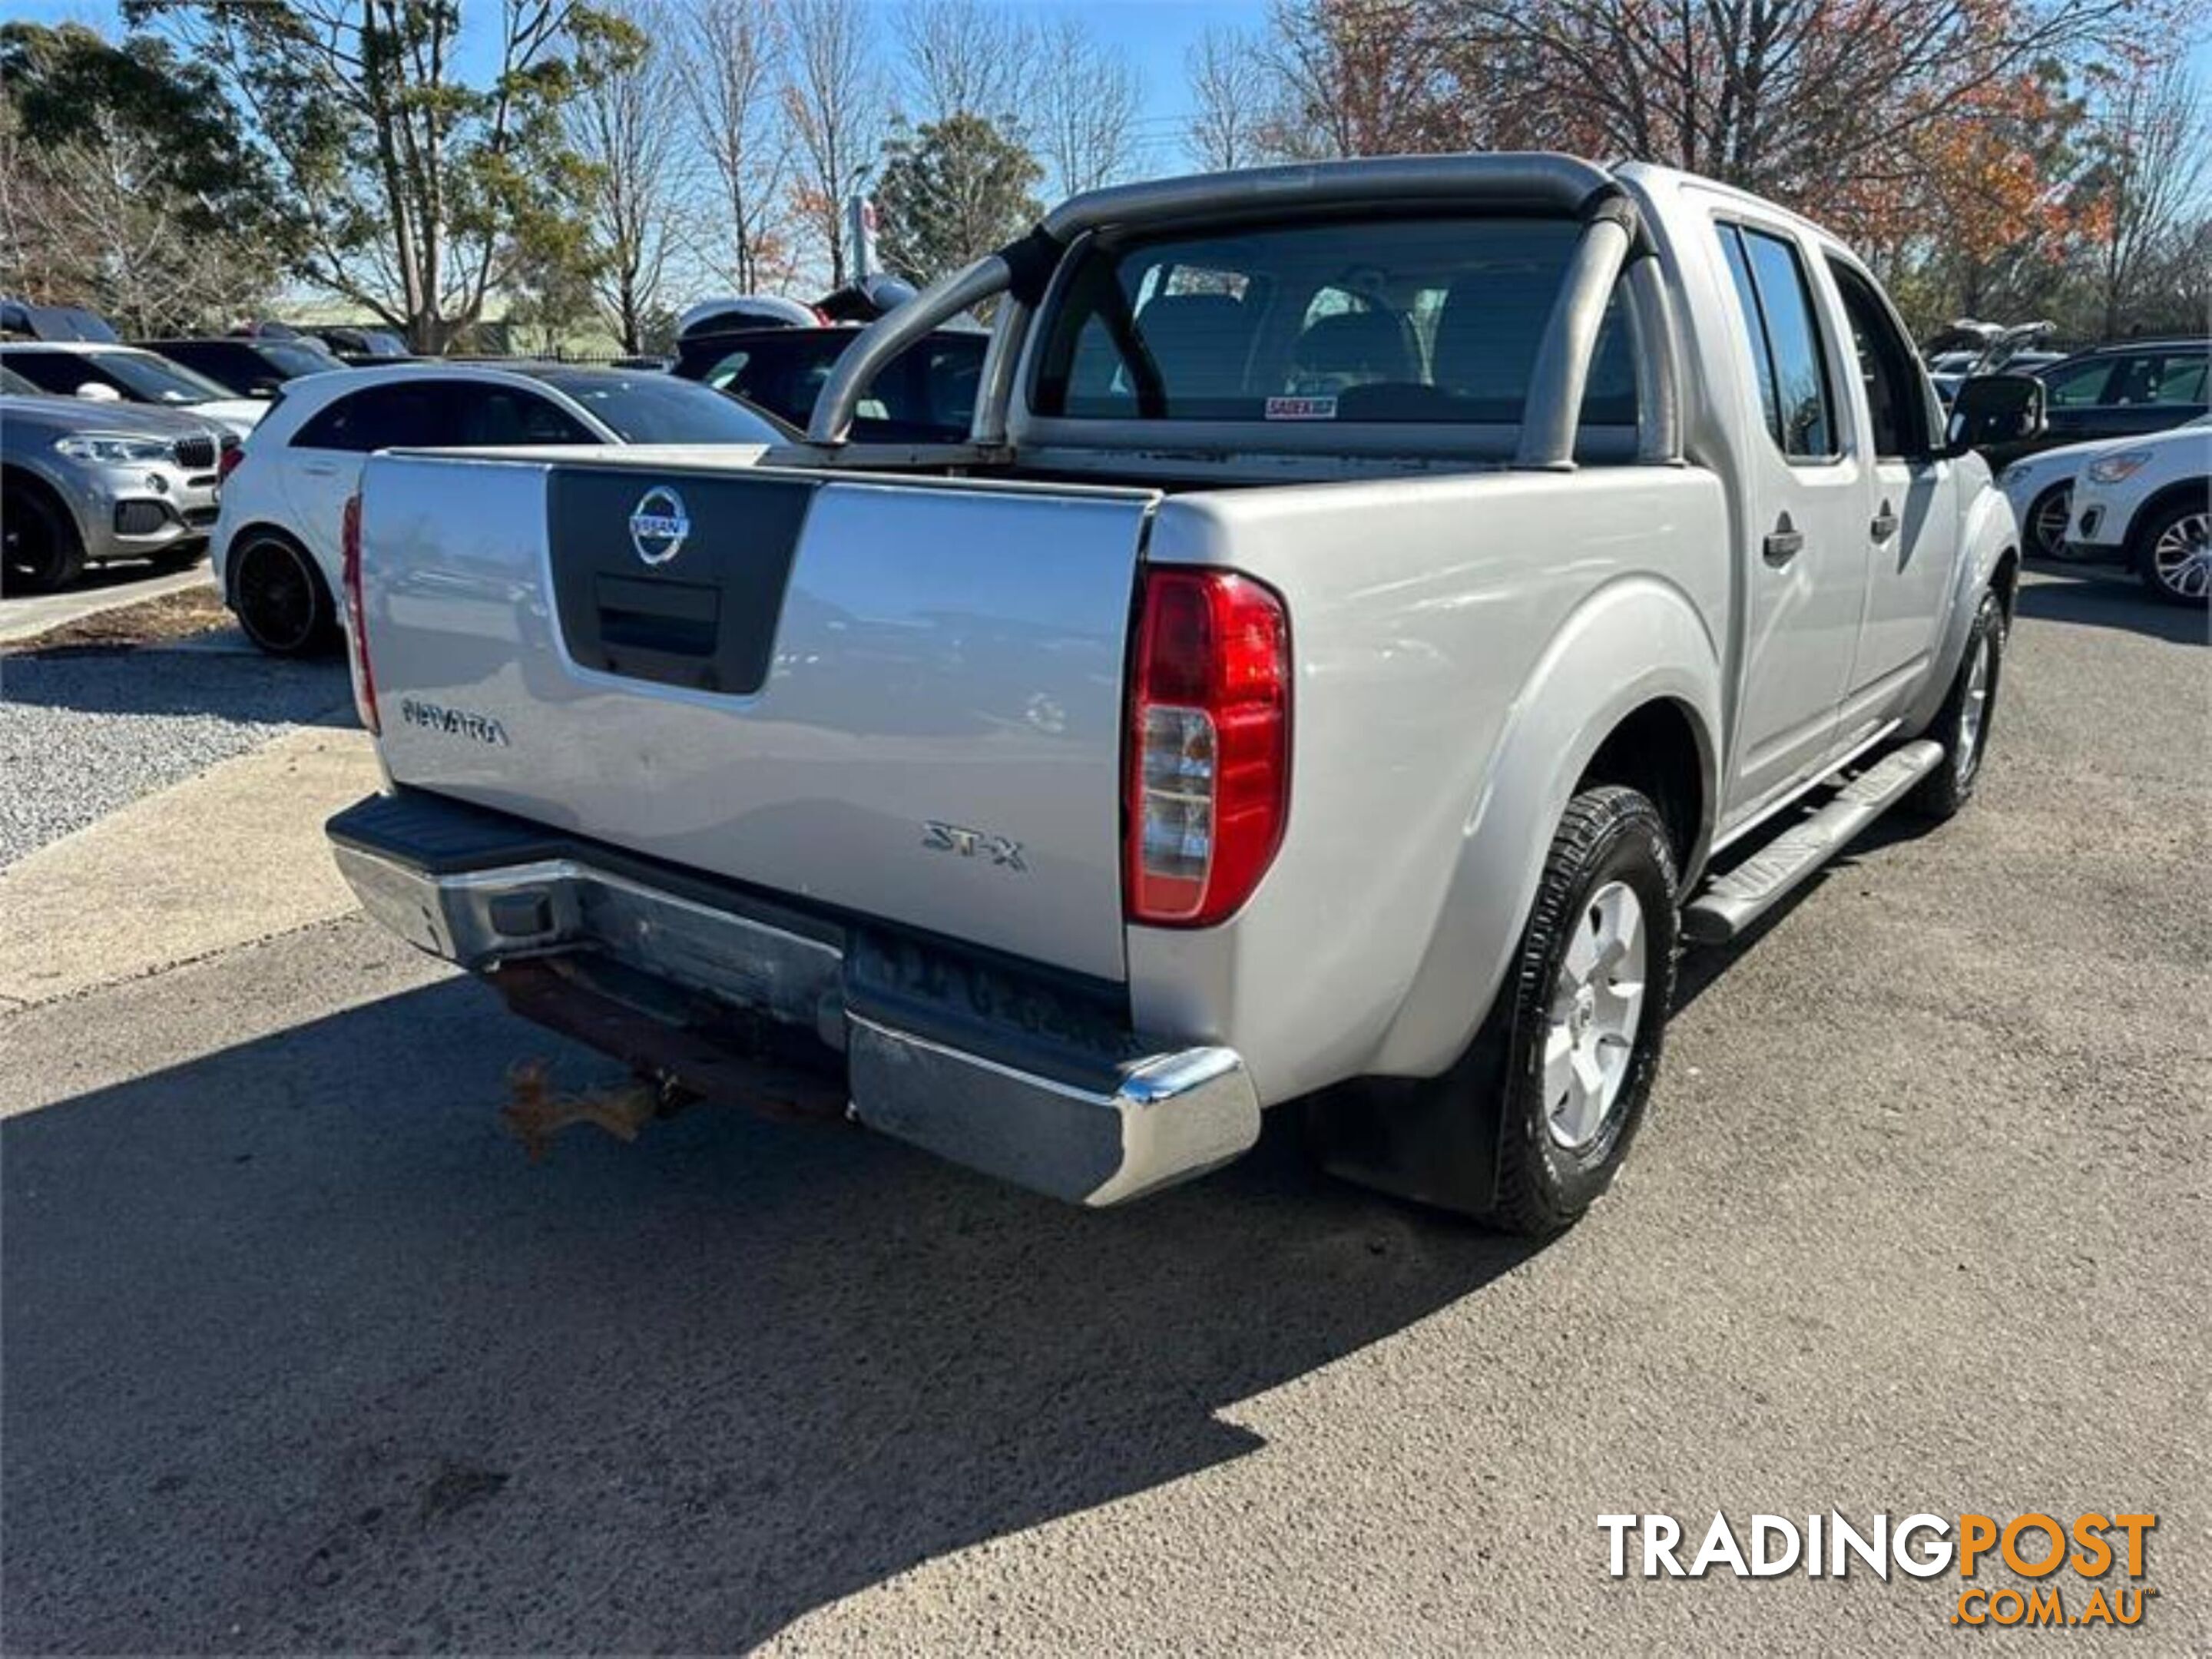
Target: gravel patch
{"type": "Point", "coordinates": [168, 616]}
{"type": "Point", "coordinates": [82, 734]}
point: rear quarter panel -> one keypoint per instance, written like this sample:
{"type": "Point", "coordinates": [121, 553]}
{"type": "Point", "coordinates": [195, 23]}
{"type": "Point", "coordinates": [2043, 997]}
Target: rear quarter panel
{"type": "Point", "coordinates": [1462, 645]}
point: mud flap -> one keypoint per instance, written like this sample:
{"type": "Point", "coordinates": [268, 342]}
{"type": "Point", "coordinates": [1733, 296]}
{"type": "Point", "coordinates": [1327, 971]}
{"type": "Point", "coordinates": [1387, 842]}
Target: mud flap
{"type": "Point", "coordinates": [1434, 1140]}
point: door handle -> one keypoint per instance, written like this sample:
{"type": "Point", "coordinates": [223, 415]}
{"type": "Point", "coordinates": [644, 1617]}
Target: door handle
{"type": "Point", "coordinates": [1783, 543]}
{"type": "Point", "coordinates": [317, 469]}
{"type": "Point", "coordinates": [1885, 523]}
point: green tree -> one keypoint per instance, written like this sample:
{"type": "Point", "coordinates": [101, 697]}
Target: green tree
{"type": "Point", "coordinates": [951, 193]}
{"type": "Point", "coordinates": [125, 183]}
{"type": "Point", "coordinates": [413, 190]}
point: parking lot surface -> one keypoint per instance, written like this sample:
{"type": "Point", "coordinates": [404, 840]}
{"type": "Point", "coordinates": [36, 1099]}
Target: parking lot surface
{"type": "Point", "coordinates": [301, 1354]}
{"type": "Point", "coordinates": [79, 737]}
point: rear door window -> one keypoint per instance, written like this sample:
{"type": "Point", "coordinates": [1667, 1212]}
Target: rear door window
{"type": "Point", "coordinates": [1775, 299]}
{"type": "Point", "coordinates": [2166, 380]}
{"type": "Point", "coordinates": [2081, 386]}
{"type": "Point", "coordinates": [493, 416]}
{"type": "Point", "coordinates": [414, 414]}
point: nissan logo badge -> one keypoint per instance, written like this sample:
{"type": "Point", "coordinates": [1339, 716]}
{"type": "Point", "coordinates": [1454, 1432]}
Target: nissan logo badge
{"type": "Point", "coordinates": [659, 526]}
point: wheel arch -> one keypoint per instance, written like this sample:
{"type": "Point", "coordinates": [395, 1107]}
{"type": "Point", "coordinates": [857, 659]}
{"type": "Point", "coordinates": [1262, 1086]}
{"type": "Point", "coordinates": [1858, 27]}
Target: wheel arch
{"type": "Point", "coordinates": [2147, 513]}
{"type": "Point", "coordinates": [13, 475]}
{"type": "Point", "coordinates": [2004, 581]}
{"type": "Point", "coordinates": [1990, 540]}
{"type": "Point", "coordinates": [1655, 708]}
{"type": "Point", "coordinates": [258, 529]}
{"type": "Point", "coordinates": [1663, 752]}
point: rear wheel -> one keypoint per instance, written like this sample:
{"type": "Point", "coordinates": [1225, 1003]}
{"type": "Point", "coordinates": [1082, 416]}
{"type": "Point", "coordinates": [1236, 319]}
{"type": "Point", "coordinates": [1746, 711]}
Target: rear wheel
{"type": "Point", "coordinates": [1528, 1127]}
{"type": "Point", "coordinates": [280, 598]}
{"type": "Point", "coordinates": [40, 550]}
{"type": "Point", "coordinates": [1588, 1002]}
{"type": "Point", "coordinates": [2174, 554]}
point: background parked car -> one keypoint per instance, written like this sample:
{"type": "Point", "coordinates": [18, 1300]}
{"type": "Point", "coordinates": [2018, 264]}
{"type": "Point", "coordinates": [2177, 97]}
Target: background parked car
{"type": "Point", "coordinates": [926, 395]}
{"type": "Point", "coordinates": [2040, 488]}
{"type": "Point", "coordinates": [120, 374]}
{"type": "Point", "coordinates": [248, 367]}
{"type": "Point", "coordinates": [19, 319]}
{"type": "Point", "coordinates": [2149, 501]}
{"type": "Point", "coordinates": [354, 345]}
{"type": "Point", "coordinates": [2119, 391]}
{"type": "Point", "coordinates": [84, 482]}
{"type": "Point", "coordinates": [277, 543]}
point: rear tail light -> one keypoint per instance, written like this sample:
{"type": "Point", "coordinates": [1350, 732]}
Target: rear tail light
{"type": "Point", "coordinates": [234, 451]}
{"type": "Point", "coordinates": [1209, 746]}
{"type": "Point", "coordinates": [364, 676]}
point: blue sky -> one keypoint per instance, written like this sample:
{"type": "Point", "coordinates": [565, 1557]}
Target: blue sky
{"type": "Point", "coordinates": [1154, 32]}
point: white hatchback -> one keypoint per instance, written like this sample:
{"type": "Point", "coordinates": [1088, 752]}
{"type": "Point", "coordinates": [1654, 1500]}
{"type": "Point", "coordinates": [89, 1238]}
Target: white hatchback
{"type": "Point", "coordinates": [276, 543]}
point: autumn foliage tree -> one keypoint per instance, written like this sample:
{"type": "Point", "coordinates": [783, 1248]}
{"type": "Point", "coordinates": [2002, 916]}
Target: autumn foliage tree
{"type": "Point", "coordinates": [1976, 148]}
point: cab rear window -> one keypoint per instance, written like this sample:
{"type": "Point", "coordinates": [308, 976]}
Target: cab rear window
{"type": "Point", "coordinates": [1430, 320]}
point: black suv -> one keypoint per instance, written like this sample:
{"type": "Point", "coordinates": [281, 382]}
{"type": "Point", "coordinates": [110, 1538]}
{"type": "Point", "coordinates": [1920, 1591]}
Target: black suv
{"type": "Point", "coordinates": [247, 368]}
{"type": "Point", "coordinates": [926, 395]}
{"type": "Point", "coordinates": [2118, 391]}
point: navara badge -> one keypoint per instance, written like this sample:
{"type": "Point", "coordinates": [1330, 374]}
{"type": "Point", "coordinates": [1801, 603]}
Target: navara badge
{"type": "Point", "coordinates": [659, 526]}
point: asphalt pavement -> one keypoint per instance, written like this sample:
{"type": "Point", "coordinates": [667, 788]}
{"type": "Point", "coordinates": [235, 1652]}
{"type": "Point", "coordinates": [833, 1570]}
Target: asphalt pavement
{"type": "Point", "coordinates": [301, 1354]}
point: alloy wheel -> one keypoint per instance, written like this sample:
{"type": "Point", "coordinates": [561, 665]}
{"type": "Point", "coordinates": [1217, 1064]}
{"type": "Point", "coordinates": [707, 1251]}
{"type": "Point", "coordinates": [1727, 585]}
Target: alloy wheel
{"type": "Point", "coordinates": [1597, 1003]}
{"type": "Point", "coordinates": [2047, 529]}
{"type": "Point", "coordinates": [1974, 710]}
{"type": "Point", "coordinates": [2181, 558]}
{"type": "Point", "coordinates": [276, 600]}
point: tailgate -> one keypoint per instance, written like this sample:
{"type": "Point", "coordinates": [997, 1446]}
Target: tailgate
{"type": "Point", "coordinates": [900, 698]}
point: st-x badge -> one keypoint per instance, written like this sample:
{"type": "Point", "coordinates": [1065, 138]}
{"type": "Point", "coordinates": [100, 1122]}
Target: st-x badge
{"type": "Point", "coordinates": [972, 844]}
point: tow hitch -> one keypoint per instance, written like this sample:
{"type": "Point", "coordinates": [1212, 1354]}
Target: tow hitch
{"type": "Point", "coordinates": [536, 1111]}
{"type": "Point", "coordinates": [679, 1056]}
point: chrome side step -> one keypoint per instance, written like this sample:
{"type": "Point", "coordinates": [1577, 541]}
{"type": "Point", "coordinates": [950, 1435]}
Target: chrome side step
{"type": "Point", "coordinates": [1729, 903]}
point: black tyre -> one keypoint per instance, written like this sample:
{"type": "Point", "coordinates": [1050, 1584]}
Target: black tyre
{"type": "Point", "coordinates": [40, 550]}
{"type": "Point", "coordinates": [1588, 1003]}
{"type": "Point", "coordinates": [1501, 1136]}
{"type": "Point", "coordinates": [2048, 516]}
{"type": "Point", "coordinates": [280, 598]}
{"type": "Point", "coordinates": [1962, 724]}
{"type": "Point", "coordinates": [2174, 553]}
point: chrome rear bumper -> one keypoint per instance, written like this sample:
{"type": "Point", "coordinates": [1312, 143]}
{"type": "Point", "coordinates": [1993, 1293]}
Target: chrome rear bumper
{"type": "Point", "coordinates": [1073, 1124]}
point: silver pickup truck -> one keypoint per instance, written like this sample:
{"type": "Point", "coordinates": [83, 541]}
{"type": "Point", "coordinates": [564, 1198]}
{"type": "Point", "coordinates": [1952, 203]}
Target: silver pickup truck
{"type": "Point", "coordinates": [1380, 611]}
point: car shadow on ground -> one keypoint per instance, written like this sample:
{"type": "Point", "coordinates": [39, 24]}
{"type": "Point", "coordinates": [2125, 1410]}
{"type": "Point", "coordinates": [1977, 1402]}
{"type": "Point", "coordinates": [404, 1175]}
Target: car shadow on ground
{"type": "Point", "coordinates": [2105, 598]}
{"type": "Point", "coordinates": [321, 1363]}
{"type": "Point", "coordinates": [1704, 966]}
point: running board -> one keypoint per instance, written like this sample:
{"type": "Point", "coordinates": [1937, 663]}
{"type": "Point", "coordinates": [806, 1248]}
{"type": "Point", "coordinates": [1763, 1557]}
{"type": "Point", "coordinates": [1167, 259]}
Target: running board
{"type": "Point", "coordinates": [1730, 903]}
